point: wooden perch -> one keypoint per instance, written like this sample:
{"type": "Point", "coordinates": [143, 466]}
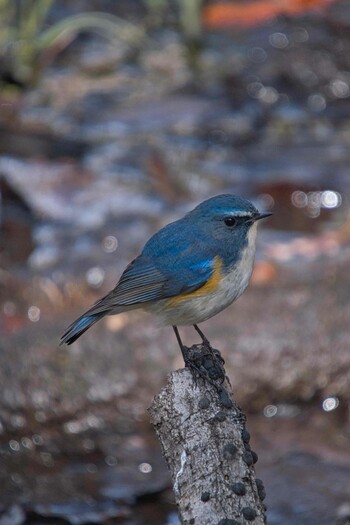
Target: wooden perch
{"type": "Point", "coordinates": [206, 445]}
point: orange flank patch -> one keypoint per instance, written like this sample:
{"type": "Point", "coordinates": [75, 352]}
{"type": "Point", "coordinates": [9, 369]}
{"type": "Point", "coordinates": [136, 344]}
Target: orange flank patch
{"type": "Point", "coordinates": [210, 286]}
{"type": "Point", "coordinates": [224, 14]}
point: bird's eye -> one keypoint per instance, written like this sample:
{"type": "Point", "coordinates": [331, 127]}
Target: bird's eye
{"type": "Point", "coordinates": [230, 221]}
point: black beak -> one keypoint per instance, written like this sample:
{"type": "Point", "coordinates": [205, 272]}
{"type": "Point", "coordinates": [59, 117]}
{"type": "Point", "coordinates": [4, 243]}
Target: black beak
{"type": "Point", "coordinates": [262, 215]}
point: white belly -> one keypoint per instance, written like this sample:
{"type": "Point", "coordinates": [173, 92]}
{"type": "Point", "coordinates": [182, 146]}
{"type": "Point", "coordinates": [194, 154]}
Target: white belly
{"type": "Point", "coordinates": [201, 307]}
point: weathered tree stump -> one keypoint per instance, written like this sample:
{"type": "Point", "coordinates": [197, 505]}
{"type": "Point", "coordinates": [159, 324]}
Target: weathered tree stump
{"type": "Point", "coordinates": [206, 445]}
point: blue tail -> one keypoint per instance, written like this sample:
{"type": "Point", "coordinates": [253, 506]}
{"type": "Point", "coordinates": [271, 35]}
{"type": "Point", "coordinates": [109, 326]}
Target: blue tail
{"type": "Point", "coordinates": [79, 326]}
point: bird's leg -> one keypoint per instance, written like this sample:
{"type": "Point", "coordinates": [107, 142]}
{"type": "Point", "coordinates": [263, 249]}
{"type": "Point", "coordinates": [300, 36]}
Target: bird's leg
{"type": "Point", "coordinates": [197, 366]}
{"type": "Point", "coordinates": [215, 353]}
{"type": "Point", "coordinates": [215, 363]}
{"type": "Point", "coordinates": [205, 341]}
{"type": "Point", "coordinates": [187, 356]}
{"type": "Point", "coordinates": [184, 350]}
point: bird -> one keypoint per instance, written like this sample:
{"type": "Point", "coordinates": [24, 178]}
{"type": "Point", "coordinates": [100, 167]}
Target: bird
{"type": "Point", "coordinates": [187, 272]}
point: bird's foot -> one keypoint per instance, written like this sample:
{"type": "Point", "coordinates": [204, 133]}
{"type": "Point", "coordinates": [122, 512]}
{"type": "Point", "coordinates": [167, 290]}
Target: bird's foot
{"type": "Point", "coordinates": [210, 370]}
{"type": "Point", "coordinates": [218, 357]}
{"type": "Point", "coordinates": [196, 371]}
{"type": "Point", "coordinates": [217, 360]}
{"type": "Point", "coordinates": [205, 340]}
{"type": "Point", "coordinates": [213, 364]}
{"type": "Point", "coordinates": [206, 364]}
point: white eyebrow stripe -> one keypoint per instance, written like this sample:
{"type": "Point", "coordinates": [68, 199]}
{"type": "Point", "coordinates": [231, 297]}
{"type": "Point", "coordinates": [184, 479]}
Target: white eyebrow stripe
{"type": "Point", "coordinates": [240, 214]}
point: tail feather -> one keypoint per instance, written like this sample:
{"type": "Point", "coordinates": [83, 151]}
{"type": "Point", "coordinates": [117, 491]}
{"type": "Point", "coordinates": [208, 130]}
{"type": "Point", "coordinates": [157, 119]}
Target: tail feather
{"type": "Point", "coordinates": [76, 329]}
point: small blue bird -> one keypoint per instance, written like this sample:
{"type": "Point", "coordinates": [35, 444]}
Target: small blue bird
{"type": "Point", "coordinates": [188, 271]}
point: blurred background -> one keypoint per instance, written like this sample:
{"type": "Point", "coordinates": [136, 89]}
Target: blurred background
{"type": "Point", "coordinates": [117, 117]}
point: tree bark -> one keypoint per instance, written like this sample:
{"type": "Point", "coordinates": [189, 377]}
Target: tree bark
{"type": "Point", "coordinates": [206, 445]}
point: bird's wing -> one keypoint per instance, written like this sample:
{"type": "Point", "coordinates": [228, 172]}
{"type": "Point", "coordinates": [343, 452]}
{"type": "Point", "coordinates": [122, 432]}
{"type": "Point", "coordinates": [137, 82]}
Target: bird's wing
{"type": "Point", "coordinates": [144, 280]}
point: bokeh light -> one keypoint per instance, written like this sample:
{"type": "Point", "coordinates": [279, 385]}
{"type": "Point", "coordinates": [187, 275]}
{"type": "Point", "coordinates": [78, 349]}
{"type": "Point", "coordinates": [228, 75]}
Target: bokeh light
{"type": "Point", "coordinates": [330, 403]}
{"type": "Point", "coordinates": [145, 468]}
{"type": "Point", "coordinates": [110, 244]}
{"type": "Point", "coordinates": [34, 314]}
{"type": "Point", "coordinates": [270, 411]}
{"type": "Point", "coordinates": [95, 276]}
{"type": "Point", "coordinates": [279, 40]}
{"type": "Point", "coordinates": [314, 201]}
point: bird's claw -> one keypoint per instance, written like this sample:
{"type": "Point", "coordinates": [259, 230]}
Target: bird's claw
{"type": "Point", "coordinates": [207, 365]}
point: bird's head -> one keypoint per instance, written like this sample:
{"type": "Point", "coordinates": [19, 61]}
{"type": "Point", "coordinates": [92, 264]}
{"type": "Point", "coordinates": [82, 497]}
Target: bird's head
{"type": "Point", "coordinates": [227, 218]}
